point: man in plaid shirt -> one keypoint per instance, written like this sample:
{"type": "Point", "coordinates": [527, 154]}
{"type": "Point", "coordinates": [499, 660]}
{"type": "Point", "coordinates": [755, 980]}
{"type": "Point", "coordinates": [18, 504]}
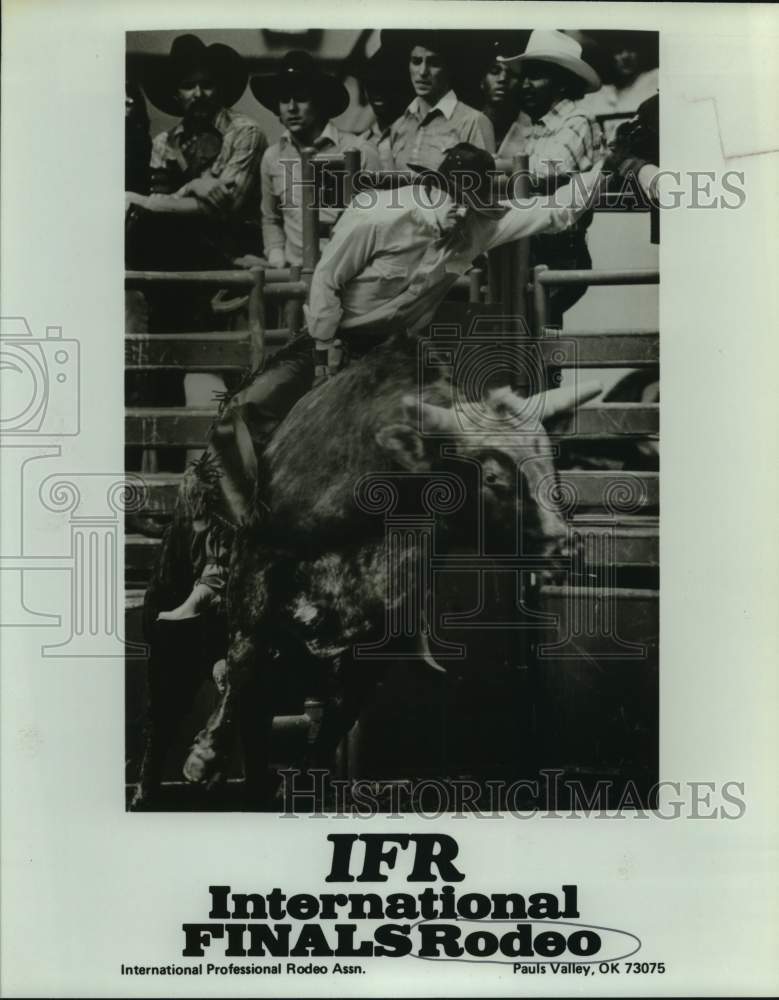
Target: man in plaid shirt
{"type": "Point", "coordinates": [560, 138]}
{"type": "Point", "coordinates": [205, 170]}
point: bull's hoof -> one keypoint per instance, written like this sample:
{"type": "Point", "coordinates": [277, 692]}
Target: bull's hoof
{"type": "Point", "coordinates": [204, 763]}
{"type": "Point", "coordinates": [202, 599]}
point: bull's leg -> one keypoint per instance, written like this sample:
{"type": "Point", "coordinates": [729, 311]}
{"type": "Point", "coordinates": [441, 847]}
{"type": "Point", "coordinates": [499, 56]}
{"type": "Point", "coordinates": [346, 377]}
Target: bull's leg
{"type": "Point", "coordinates": [354, 684]}
{"type": "Point", "coordinates": [256, 724]}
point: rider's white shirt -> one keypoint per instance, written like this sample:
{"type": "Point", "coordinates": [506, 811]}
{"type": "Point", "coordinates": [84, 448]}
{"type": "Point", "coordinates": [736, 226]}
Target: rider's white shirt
{"type": "Point", "coordinates": [389, 262]}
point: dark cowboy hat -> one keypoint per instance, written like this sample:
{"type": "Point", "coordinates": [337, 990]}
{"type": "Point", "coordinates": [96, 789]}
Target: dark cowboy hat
{"type": "Point", "coordinates": [299, 68]}
{"type": "Point", "coordinates": [187, 56]}
{"type": "Point", "coordinates": [613, 41]}
{"type": "Point", "coordinates": [382, 69]}
{"type": "Point", "coordinates": [452, 45]}
{"type": "Point", "coordinates": [491, 46]}
{"type": "Point", "coordinates": [461, 160]}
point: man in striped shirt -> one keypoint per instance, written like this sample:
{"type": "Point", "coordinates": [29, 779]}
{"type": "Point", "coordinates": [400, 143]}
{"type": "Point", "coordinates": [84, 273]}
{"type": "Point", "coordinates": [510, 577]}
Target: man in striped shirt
{"type": "Point", "coordinates": [435, 120]}
{"type": "Point", "coordinates": [305, 99]}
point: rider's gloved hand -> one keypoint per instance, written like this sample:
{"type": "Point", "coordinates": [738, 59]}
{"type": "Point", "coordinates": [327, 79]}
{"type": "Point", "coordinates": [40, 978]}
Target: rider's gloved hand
{"type": "Point", "coordinates": [329, 358]}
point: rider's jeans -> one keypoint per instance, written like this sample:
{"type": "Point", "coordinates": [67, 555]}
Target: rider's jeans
{"type": "Point", "coordinates": [224, 494]}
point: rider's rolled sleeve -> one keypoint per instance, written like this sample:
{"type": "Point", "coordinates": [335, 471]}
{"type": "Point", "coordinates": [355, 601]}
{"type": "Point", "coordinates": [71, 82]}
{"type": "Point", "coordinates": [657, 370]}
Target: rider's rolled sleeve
{"type": "Point", "coordinates": [346, 255]}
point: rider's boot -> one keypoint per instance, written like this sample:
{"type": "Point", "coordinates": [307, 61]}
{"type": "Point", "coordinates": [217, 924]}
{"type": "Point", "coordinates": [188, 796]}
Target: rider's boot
{"type": "Point", "coordinates": [202, 598]}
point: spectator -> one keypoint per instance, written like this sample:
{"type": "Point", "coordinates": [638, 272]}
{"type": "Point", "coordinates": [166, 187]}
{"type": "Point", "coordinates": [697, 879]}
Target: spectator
{"type": "Point", "coordinates": [388, 92]}
{"type": "Point", "coordinates": [205, 170]}
{"type": "Point", "coordinates": [498, 86]}
{"type": "Point", "coordinates": [435, 120]}
{"type": "Point", "coordinates": [631, 74]}
{"type": "Point", "coordinates": [305, 99]}
{"type": "Point", "coordinates": [635, 153]}
{"type": "Point", "coordinates": [559, 138]}
{"type": "Point", "coordinates": [137, 141]}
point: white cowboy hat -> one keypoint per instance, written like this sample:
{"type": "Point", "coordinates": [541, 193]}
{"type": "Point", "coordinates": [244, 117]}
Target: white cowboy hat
{"type": "Point", "coordinates": [560, 49]}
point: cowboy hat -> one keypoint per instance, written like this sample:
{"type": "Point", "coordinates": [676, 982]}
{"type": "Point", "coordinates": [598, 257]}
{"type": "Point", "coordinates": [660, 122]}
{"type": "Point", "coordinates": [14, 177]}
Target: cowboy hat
{"type": "Point", "coordinates": [493, 46]}
{"type": "Point", "coordinates": [188, 55]}
{"type": "Point", "coordinates": [454, 46]}
{"type": "Point", "coordinates": [300, 69]}
{"type": "Point", "coordinates": [561, 50]}
{"type": "Point", "coordinates": [481, 193]}
{"type": "Point", "coordinates": [384, 76]}
{"type": "Point", "coordinates": [383, 70]}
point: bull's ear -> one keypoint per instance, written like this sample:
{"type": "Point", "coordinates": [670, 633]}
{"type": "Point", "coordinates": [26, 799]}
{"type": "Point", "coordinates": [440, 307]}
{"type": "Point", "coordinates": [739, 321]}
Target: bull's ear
{"type": "Point", "coordinates": [405, 445]}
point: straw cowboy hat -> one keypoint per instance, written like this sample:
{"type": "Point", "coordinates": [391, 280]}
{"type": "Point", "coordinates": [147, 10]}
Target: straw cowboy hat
{"type": "Point", "coordinates": [561, 50]}
{"type": "Point", "coordinates": [189, 55]}
{"type": "Point", "coordinates": [300, 69]}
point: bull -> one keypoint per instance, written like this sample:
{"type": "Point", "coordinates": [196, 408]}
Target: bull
{"type": "Point", "coordinates": [319, 577]}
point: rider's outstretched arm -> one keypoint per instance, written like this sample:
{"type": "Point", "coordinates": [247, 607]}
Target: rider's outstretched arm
{"type": "Point", "coordinates": [551, 214]}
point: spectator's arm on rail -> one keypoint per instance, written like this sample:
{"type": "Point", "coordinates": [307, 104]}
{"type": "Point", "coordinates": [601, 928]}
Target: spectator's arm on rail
{"type": "Point", "coordinates": [273, 238]}
{"type": "Point", "coordinates": [171, 204]}
{"type": "Point", "coordinates": [241, 169]}
{"type": "Point", "coordinates": [572, 150]}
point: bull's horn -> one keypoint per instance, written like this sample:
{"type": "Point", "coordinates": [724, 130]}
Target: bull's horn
{"type": "Point", "coordinates": [566, 398]}
{"type": "Point", "coordinates": [423, 647]}
{"type": "Point", "coordinates": [432, 418]}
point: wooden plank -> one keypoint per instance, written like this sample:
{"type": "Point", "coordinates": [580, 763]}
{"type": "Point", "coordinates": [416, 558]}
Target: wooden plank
{"type": "Point", "coordinates": [169, 426]}
{"type": "Point", "coordinates": [140, 554]}
{"type": "Point", "coordinates": [194, 352]}
{"type": "Point", "coordinates": [634, 276]}
{"type": "Point", "coordinates": [610, 618]}
{"type": "Point", "coordinates": [191, 352]}
{"type": "Point", "coordinates": [617, 492]}
{"type": "Point", "coordinates": [179, 427]}
{"type": "Point", "coordinates": [206, 279]}
{"type": "Point", "coordinates": [630, 541]}
{"type": "Point", "coordinates": [606, 350]}
{"type": "Point", "coordinates": [161, 491]}
{"type": "Point", "coordinates": [610, 420]}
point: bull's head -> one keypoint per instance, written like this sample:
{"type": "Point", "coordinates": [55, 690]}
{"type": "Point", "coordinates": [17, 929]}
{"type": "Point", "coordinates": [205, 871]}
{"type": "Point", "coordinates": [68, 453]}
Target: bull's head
{"type": "Point", "coordinates": [505, 436]}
